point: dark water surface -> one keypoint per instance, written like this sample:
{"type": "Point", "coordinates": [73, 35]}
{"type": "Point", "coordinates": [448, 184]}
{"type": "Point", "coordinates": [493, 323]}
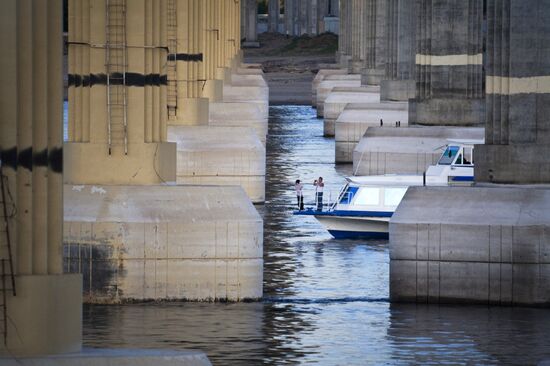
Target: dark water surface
{"type": "Point", "coordinates": [326, 300]}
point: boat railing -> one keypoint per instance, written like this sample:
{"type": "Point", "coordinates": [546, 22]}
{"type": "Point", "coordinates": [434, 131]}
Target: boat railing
{"type": "Point", "coordinates": [344, 197]}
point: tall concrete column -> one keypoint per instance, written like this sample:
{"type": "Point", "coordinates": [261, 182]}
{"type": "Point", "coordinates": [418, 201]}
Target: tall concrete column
{"type": "Point", "coordinates": [117, 93]}
{"type": "Point", "coordinates": [517, 128]}
{"type": "Point", "coordinates": [31, 154]}
{"type": "Point", "coordinates": [289, 17]}
{"type": "Point", "coordinates": [322, 12]}
{"type": "Point", "coordinates": [357, 36]}
{"type": "Point", "coordinates": [344, 40]}
{"type": "Point", "coordinates": [399, 84]}
{"type": "Point", "coordinates": [274, 9]}
{"type": "Point", "coordinates": [376, 15]}
{"type": "Point", "coordinates": [449, 64]}
{"type": "Point", "coordinates": [251, 20]}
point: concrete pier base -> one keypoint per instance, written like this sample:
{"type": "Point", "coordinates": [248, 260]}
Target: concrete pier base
{"type": "Point", "coordinates": [115, 357]}
{"type": "Point", "coordinates": [410, 150]}
{"type": "Point", "coordinates": [471, 245]}
{"type": "Point", "coordinates": [135, 243]}
{"type": "Point", "coordinates": [220, 156]}
{"type": "Point", "coordinates": [355, 119]}
{"type": "Point", "coordinates": [447, 112]}
{"type": "Point", "coordinates": [397, 90]}
{"type": "Point", "coordinates": [257, 95]}
{"type": "Point", "coordinates": [239, 115]}
{"type": "Point", "coordinates": [319, 77]}
{"type": "Point", "coordinates": [340, 97]}
{"type": "Point", "coordinates": [331, 82]}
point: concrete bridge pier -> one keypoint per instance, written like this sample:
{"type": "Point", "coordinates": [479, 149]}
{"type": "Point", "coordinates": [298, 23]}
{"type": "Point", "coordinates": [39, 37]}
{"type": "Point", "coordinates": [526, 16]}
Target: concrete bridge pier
{"type": "Point", "coordinates": [448, 71]}
{"type": "Point", "coordinates": [350, 125]}
{"type": "Point", "coordinates": [399, 83]}
{"type": "Point", "coordinates": [215, 153]}
{"type": "Point", "coordinates": [31, 154]}
{"type": "Point", "coordinates": [449, 66]}
{"type": "Point", "coordinates": [132, 235]}
{"type": "Point", "coordinates": [376, 19]}
{"type": "Point", "coordinates": [489, 243]}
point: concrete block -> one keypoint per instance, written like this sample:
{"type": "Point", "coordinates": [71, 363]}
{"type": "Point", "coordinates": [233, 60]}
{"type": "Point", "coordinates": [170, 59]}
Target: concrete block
{"type": "Point", "coordinates": [239, 115]}
{"type": "Point", "coordinates": [405, 150]}
{"type": "Point", "coordinates": [334, 81]}
{"type": "Point", "coordinates": [257, 95]}
{"type": "Point", "coordinates": [339, 98]}
{"type": "Point", "coordinates": [220, 156]}
{"type": "Point", "coordinates": [484, 244]}
{"type": "Point", "coordinates": [114, 357]}
{"type": "Point", "coordinates": [319, 77]}
{"type": "Point", "coordinates": [355, 119]}
{"type": "Point", "coordinates": [463, 282]}
{"type": "Point", "coordinates": [403, 280]}
{"type": "Point", "coordinates": [90, 163]}
{"type": "Point", "coordinates": [163, 242]}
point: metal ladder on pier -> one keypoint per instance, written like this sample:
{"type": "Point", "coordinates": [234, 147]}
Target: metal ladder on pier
{"type": "Point", "coordinates": [7, 280]}
{"type": "Point", "coordinates": [116, 64]}
{"type": "Point", "coordinates": [171, 69]}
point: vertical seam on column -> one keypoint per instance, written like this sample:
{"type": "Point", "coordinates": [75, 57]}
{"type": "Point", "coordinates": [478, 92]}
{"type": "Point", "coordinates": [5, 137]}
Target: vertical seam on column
{"type": "Point", "coordinates": [416, 264]}
{"type": "Point", "coordinates": [500, 269]}
{"type": "Point", "coordinates": [439, 265]}
{"type": "Point", "coordinates": [489, 266]}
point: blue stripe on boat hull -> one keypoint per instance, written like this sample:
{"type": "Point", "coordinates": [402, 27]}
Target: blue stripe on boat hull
{"type": "Point", "coordinates": [339, 234]}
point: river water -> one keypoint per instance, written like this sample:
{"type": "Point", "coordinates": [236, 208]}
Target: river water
{"type": "Point", "coordinates": [325, 300]}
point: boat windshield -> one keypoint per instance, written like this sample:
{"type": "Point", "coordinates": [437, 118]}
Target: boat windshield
{"type": "Point", "coordinates": [449, 155]}
{"type": "Point", "coordinates": [347, 196]}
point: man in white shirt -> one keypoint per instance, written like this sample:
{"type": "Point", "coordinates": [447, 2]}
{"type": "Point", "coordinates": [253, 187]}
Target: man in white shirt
{"type": "Point", "coordinates": [319, 185]}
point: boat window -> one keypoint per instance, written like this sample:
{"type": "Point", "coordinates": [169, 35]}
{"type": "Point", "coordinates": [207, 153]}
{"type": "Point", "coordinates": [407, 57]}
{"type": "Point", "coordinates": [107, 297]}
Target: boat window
{"type": "Point", "coordinates": [468, 155]}
{"type": "Point", "coordinates": [449, 155]}
{"type": "Point", "coordinates": [393, 196]}
{"type": "Point", "coordinates": [368, 196]}
{"type": "Point", "coordinates": [458, 160]}
{"type": "Point", "coordinates": [347, 196]}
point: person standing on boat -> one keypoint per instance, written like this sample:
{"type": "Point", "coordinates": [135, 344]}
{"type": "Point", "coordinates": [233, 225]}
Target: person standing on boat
{"type": "Point", "coordinates": [319, 185]}
{"type": "Point", "coordinates": [299, 194]}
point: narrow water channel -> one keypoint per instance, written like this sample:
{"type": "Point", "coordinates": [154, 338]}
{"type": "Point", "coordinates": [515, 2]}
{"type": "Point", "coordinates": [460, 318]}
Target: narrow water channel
{"type": "Point", "coordinates": [325, 300]}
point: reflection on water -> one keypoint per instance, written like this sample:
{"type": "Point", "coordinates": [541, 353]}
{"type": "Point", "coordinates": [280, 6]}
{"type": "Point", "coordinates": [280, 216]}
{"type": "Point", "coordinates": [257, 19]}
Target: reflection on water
{"type": "Point", "coordinates": [326, 300]}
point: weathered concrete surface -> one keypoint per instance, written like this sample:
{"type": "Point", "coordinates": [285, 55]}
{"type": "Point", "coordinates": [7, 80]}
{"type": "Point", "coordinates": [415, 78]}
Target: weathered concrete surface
{"type": "Point", "coordinates": [399, 83]}
{"type": "Point", "coordinates": [449, 64]}
{"type": "Point", "coordinates": [334, 81]}
{"type": "Point", "coordinates": [408, 150]}
{"type": "Point", "coordinates": [353, 122]}
{"type": "Point", "coordinates": [340, 97]}
{"type": "Point", "coordinates": [471, 244]}
{"type": "Point", "coordinates": [448, 112]}
{"type": "Point", "coordinates": [239, 115]}
{"type": "Point", "coordinates": [397, 90]}
{"type": "Point", "coordinates": [376, 44]}
{"type": "Point", "coordinates": [115, 357]}
{"type": "Point", "coordinates": [518, 95]}
{"type": "Point", "coordinates": [220, 156]}
{"type": "Point", "coordinates": [39, 323]}
{"type": "Point", "coordinates": [163, 243]}
{"type": "Point", "coordinates": [45, 315]}
{"type": "Point", "coordinates": [319, 77]}
{"type": "Point", "coordinates": [257, 95]}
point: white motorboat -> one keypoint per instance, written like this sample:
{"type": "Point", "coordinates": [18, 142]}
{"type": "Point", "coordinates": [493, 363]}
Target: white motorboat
{"type": "Point", "coordinates": [366, 203]}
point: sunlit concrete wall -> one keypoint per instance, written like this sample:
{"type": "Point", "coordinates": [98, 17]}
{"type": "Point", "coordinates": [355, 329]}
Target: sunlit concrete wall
{"type": "Point", "coordinates": [31, 154]}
